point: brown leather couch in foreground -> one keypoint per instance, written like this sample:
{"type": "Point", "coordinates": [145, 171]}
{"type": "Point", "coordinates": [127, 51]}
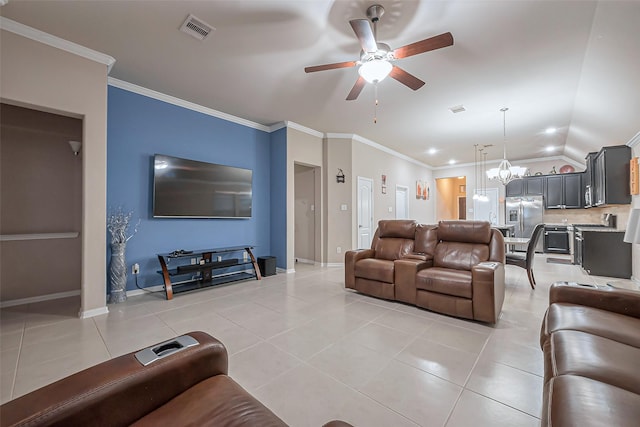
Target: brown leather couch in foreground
{"type": "Point", "coordinates": [188, 387]}
{"type": "Point", "coordinates": [591, 342]}
{"type": "Point", "coordinates": [455, 267]}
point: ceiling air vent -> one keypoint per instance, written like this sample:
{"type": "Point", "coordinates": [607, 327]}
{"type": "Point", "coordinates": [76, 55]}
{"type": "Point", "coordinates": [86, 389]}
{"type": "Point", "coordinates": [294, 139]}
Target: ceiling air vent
{"type": "Point", "coordinates": [457, 109]}
{"type": "Point", "coordinates": [196, 28]}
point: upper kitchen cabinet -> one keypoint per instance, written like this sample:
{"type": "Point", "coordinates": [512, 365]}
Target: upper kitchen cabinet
{"type": "Point", "coordinates": [527, 186]}
{"type": "Point", "coordinates": [611, 176]}
{"type": "Point", "coordinates": [563, 191]}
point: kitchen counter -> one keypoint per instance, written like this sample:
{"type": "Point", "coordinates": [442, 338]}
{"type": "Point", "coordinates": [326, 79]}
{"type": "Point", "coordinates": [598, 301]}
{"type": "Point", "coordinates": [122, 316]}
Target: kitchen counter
{"type": "Point", "coordinates": [598, 229]}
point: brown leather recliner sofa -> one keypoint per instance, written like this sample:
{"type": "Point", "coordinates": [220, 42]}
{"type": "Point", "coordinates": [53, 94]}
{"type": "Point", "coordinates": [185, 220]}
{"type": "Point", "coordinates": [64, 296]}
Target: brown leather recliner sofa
{"type": "Point", "coordinates": [186, 384]}
{"type": "Point", "coordinates": [455, 267]}
{"type": "Point", "coordinates": [590, 338]}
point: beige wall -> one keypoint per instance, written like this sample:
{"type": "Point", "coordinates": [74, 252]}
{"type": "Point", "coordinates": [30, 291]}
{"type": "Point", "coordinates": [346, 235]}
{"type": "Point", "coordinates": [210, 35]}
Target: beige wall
{"type": "Point", "coordinates": [337, 155]}
{"type": "Point", "coordinates": [305, 213]}
{"type": "Point", "coordinates": [635, 204]}
{"type": "Point", "coordinates": [41, 183]}
{"type": "Point", "coordinates": [447, 194]}
{"type": "Point", "coordinates": [42, 77]}
{"type": "Point", "coordinates": [306, 150]}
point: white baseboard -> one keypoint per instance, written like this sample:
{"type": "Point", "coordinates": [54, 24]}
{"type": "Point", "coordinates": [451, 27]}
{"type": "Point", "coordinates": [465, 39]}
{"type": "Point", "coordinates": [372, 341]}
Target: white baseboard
{"type": "Point", "coordinates": [39, 298]}
{"type": "Point", "coordinates": [135, 292]}
{"type": "Point", "coordinates": [93, 312]}
{"type": "Point", "coordinates": [305, 261]}
{"type": "Point", "coordinates": [285, 271]}
{"type": "Point", "coordinates": [333, 264]}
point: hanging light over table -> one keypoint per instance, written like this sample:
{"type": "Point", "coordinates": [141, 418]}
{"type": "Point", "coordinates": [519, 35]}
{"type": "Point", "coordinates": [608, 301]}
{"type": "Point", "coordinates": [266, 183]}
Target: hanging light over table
{"type": "Point", "coordinates": [505, 172]}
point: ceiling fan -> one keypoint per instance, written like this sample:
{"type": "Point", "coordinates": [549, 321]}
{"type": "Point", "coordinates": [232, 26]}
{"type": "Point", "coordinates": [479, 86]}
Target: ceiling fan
{"type": "Point", "coordinates": [376, 58]}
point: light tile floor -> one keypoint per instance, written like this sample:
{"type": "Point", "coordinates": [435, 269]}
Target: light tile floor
{"type": "Point", "coordinates": [312, 351]}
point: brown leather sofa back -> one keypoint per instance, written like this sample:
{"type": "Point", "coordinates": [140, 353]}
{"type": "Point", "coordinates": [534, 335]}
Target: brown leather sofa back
{"type": "Point", "coordinates": [426, 239]}
{"type": "Point", "coordinates": [462, 244]}
{"type": "Point", "coordinates": [393, 239]}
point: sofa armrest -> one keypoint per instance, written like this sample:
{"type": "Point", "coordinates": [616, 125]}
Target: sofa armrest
{"type": "Point", "coordinates": [616, 300]}
{"type": "Point", "coordinates": [405, 277]}
{"type": "Point", "coordinates": [488, 291]}
{"type": "Point", "coordinates": [350, 259]}
{"type": "Point", "coordinates": [118, 391]}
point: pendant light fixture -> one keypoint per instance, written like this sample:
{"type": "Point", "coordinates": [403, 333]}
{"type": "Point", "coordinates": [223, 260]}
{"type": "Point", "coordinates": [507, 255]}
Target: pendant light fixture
{"type": "Point", "coordinates": [505, 172]}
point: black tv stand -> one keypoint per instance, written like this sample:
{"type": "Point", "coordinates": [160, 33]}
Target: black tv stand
{"type": "Point", "coordinates": [184, 276]}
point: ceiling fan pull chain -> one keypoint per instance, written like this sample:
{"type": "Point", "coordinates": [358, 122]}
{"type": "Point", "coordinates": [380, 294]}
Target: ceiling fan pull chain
{"type": "Point", "coordinates": [375, 104]}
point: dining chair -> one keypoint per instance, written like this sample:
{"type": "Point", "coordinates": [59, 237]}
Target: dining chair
{"type": "Point", "coordinates": [525, 260]}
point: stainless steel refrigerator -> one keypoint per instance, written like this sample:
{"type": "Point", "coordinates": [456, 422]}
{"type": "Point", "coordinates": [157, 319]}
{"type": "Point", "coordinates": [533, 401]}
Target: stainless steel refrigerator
{"type": "Point", "coordinates": [524, 213]}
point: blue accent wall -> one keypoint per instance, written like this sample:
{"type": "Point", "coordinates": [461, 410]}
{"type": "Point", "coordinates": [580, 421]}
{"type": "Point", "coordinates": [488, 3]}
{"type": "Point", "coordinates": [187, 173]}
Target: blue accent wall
{"type": "Point", "coordinates": [279, 196]}
{"type": "Point", "coordinates": [139, 127]}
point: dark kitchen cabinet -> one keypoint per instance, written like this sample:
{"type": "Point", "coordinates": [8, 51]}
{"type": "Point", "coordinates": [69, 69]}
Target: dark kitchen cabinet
{"type": "Point", "coordinates": [563, 191]}
{"type": "Point", "coordinates": [611, 176]}
{"type": "Point", "coordinates": [527, 186]}
{"type": "Point", "coordinates": [604, 253]}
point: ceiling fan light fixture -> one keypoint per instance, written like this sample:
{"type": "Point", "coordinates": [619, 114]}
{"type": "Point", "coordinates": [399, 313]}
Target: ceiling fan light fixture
{"type": "Point", "coordinates": [375, 70]}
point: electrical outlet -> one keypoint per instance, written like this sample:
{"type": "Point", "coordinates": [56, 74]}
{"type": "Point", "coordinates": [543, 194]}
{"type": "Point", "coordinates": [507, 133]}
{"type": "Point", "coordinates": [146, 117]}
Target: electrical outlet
{"type": "Point", "coordinates": [194, 261]}
{"type": "Point", "coordinates": [135, 269]}
{"type": "Point", "coordinates": [219, 258]}
{"type": "Point", "coordinates": [339, 250]}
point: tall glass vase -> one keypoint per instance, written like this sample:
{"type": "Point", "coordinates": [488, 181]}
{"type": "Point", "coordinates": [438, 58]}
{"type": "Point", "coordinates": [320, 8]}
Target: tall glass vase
{"type": "Point", "coordinates": [118, 273]}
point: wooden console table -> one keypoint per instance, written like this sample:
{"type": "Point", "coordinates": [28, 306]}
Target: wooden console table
{"type": "Point", "coordinates": [183, 275]}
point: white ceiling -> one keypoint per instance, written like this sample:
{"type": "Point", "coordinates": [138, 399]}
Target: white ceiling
{"type": "Point", "coordinates": [574, 65]}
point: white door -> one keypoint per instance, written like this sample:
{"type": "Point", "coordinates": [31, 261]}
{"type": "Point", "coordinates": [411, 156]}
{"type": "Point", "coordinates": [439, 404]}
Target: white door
{"type": "Point", "coordinates": [487, 210]}
{"type": "Point", "coordinates": [402, 202]}
{"type": "Point", "coordinates": [365, 212]}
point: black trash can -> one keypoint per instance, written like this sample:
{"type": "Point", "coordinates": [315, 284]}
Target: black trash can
{"type": "Point", "coordinates": [267, 265]}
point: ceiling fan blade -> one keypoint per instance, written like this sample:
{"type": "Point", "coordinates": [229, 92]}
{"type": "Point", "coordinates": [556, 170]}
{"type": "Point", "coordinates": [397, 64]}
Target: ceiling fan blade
{"type": "Point", "coordinates": [357, 88]}
{"type": "Point", "coordinates": [433, 43]}
{"type": "Point", "coordinates": [405, 78]}
{"type": "Point", "coordinates": [330, 66]}
{"type": "Point", "coordinates": [363, 31]}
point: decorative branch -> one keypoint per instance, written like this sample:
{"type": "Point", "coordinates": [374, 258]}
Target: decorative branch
{"type": "Point", "coordinates": [118, 225]}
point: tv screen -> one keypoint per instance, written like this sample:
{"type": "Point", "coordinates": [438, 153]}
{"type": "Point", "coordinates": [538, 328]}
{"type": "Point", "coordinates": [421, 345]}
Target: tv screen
{"type": "Point", "coordinates": [191, 189]}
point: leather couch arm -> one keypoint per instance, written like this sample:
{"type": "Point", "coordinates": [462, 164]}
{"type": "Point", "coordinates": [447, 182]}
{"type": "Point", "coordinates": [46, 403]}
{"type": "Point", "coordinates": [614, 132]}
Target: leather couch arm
{"type": "Point", "coordinates": [616, 300]}
{"type": "Point", "coordinates": [405, 277]}
{"type": "Point", "coordinates": [488, 291]}
{"type": "Point", "coordinates": [350, 259]}
{"type": "Point", "coordinates": [119, 391]}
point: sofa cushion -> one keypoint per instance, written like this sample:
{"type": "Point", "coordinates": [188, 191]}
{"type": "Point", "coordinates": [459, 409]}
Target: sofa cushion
{"type": "Point", "coordinates": [392, 248]}
{"type": "Point", "coordinates": [375, 269]}
{"type": "Point", "coordinates": [460, 256]}
{"type": "Point", "coordinates": [595, 357]}
{"type": "Point", "coordinates": [578, 401]}
{"type": "Point", "coordinates": [216, 401]}
{"type": "Point", "coordinates": [562, 316]}
{"type": "Point", "coordinates": [445, 281]}
{"type": "Point", "coordinates": [402, 228]}
{"type": "Point", "coordinates": [465, 231]}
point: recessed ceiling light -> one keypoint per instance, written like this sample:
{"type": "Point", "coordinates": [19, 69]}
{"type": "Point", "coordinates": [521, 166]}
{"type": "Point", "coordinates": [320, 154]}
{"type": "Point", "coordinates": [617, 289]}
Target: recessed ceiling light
{"type": "Point", "coordinates": [432, 151]}
{"type": "Point", "coordinates": [452, 162]}
{"type": "Point", "coordinates": [550, 131]}
{"type": "Point", "coordinates": [461, 177]}
{"type": "Point", "coordinates": [550, 149]}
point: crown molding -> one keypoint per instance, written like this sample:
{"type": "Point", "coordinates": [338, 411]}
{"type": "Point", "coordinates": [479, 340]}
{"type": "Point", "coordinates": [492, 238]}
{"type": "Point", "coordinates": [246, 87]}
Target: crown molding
{"type": "Point", "coordinates": [50, 40]}
{"type": "Point", "coordinates": [634, 141]}
{"type": "Point", "coordinates": [184, 104]}
{"type": "Point", "coordinates": [375, 145]}
{"type": "Point", "coordinates": [304, 129]}
{"type": "Point", "coordinates": [523, 161]}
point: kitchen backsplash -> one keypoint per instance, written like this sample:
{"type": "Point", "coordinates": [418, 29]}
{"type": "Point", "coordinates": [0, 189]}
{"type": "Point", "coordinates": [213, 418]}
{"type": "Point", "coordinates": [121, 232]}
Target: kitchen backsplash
{"type": "Point", "coordinates": [587, 216]}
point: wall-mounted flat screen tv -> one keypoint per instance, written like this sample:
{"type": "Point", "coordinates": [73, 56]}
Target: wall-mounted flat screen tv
{"type": "Point", "coordinates": [190, 189]}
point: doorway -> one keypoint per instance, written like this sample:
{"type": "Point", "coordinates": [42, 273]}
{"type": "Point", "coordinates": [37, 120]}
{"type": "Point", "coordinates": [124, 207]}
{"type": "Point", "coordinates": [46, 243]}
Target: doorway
{"type": "Point", "coordinates": [402, 202]}
{"type": "Point", "coordinates": [487, 210]}
{"type": "Point", "coordinates": [449, 191]}
{"type": "Point", "coordinates": [305, 208]}
{"type": "Point", "coordinates": [365, 212]}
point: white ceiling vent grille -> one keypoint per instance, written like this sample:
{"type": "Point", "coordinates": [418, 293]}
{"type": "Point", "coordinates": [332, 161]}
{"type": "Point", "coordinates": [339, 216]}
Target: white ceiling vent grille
{"type": "Point", "coordinates": [196, 28]}
{"type": "Point", "coordinates": [457, 109]}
